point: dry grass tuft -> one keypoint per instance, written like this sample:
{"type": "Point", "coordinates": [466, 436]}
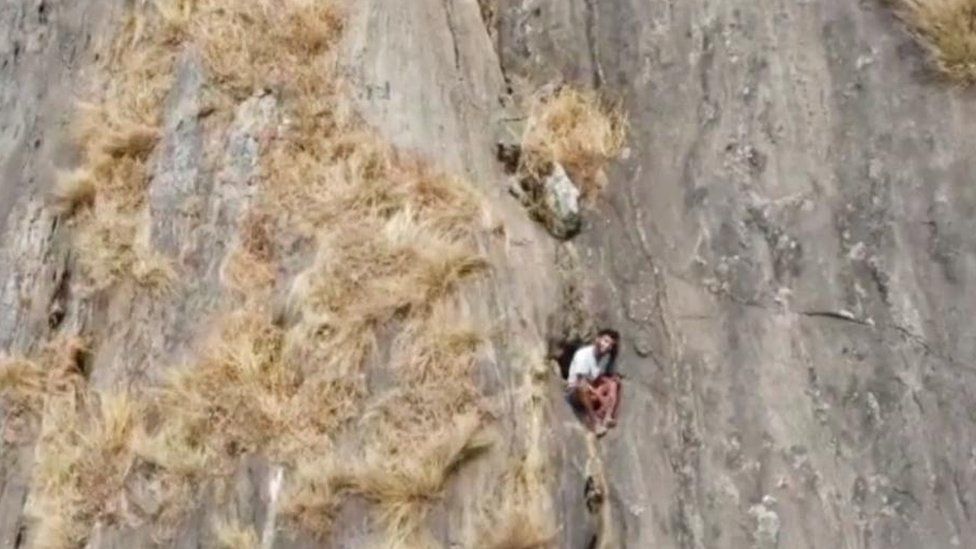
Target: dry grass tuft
{"type": "Point", "coordinates": [56, 370]}
{"type": "Point", "coordinates": [249, 268]}
{"type": "Point", "coordinates": [354, 178]}
{"type": "Point", "coordinates": [576, 129]}
{"type": "Point", "coordinates": [116, 136]}
{"type": "Point", "coordinates": [179, 447]}
{"type": "Point", "coordinates": [371, 272]}
{"type": "Point", "coordinates": [410, 444]}
{"type": "Point", "coordinates": [22, 383]}
{"type": "Point", "coordinates": [442, 346]}
{"type": "Point", "coordinates": [518, 513]}
{"type": "Point", "coordinates": [518, 519]}
{"type": "Point", "coordinates": [398, 455]}
{"type": "Point", "coordinates": [947, 28]}
{"type": "Point", "coordinates": [253, 45]}
{"type": "Point", "coordinates": [231, 534]}
{"type": "Point", "coordinates": [73, 191]}
{"type": "Point", "coordinates": [229, 403]}
{"type": "Point", "coordinates": [311, 501]}
{"type": "Point", "coordinates": [110, 249]}
{"type": "Point", "coordinates": [244, 397]}
{"type": "Point", "coordinates": [516, 530]}
{"type": "Point", "coordinates": [84, 454]}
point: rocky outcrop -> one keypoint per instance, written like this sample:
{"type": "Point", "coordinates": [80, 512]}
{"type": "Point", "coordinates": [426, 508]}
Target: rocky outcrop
{"type": "Point", "coordinates": [785, 251]}
{"type": "Point", "coordinates": [554, 201]}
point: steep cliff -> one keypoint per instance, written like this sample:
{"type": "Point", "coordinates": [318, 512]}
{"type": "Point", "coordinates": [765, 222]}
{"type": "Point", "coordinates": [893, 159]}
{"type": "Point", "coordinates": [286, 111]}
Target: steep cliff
{"type": "Point", "coordinates": [787, 250]}
{"type": "Point", "coordinates": [297, 306]}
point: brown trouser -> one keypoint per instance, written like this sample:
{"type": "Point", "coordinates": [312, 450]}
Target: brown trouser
{"type": "Point", "coordinates": [599, 398]}
{"type": "Point", "coordinates": [606, 397]}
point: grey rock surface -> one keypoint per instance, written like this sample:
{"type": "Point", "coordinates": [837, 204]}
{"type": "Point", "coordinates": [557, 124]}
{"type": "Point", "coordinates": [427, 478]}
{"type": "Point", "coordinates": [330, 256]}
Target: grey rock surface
{"type": "Point", "coordinates": [561, 199]}
{"type": "Point", "coordinates": [554, 201]}
{"type": "Point", "coordinates": [787, 250]}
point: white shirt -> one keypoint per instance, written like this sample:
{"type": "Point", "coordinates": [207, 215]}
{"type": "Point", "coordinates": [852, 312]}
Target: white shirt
{"type": "Point", "coordinates": [585, 364]}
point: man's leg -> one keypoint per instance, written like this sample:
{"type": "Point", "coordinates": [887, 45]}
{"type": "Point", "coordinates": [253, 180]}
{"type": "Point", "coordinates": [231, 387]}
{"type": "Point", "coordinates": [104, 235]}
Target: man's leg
{"type": "Point", "coordinates": [599, 407]}
{"type": "Point", "coordinates": [586, 398]}
{"type": "Point", "coordinates": [601, 399]}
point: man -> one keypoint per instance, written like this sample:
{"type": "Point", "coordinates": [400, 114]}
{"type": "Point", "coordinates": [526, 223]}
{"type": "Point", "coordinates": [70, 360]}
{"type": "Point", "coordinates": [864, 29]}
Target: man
{"type": "Point", "coordinates": [592, 383]}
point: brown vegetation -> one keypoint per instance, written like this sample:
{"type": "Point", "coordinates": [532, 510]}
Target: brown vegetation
{"type": "Point", "coordinates": [947, 28]}
{"type": "Point", "coordinates": [84, 453]}
{"type": "Point", "coordinates": [116, 136]}
{"type": "Point", "coordinates": [394, 239]}
{"type": "Point", "coordinates": [84, 445]}
{"type": "Point", "coordinates": [576, 129]}
{"type": "Point", "coordinates": [73, 191]}
{"type": "Point", "coordinates": [56, 370]}
{"type": "Point", "coordinates": [233, 535]}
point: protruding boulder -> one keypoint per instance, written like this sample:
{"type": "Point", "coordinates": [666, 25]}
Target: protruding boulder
{"type": "Point", "coordinates": [553, 200]}
{"type": "Point", "coordinates": [561, 202]}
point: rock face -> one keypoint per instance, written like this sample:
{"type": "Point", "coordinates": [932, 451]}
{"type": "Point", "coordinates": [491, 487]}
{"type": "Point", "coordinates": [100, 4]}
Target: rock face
{"type": "Point", "coordinates": [786, 249]}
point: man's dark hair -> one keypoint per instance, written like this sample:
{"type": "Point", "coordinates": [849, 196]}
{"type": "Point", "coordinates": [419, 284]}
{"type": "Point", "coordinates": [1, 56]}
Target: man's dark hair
{"type": "Point", "coordinates": [615, 335]}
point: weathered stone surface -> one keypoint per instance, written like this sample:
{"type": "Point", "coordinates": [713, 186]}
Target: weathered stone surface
{"type": "Point", "coordinates": [561, 200]}
{"type": "Point", "coordinates": [797, 175]}
{"type": "Point", "coordinates": [554, 201]}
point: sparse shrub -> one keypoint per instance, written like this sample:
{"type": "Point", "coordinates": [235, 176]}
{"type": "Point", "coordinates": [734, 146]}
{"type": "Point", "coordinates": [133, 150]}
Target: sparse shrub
{"type": "Point", "coordinates": [72, 191]}
{"type": "Point", "coordinates": [25, 383]}
{"type": "Point", "coordinates": [110, 250]}
{"type": "Point", "coordinates": [576, 129]}
{"type": "Point", "coordinates": [311, 500]}
{"type": "Point", "coordinates": [518, 516]}
{"type": "Point", "coordinates": [22, 383]}
{"type": "Point", "coordinates": [442, 346]}
{"type": "Point", "coordinates": [249, 268]}
{"type": "Point", "coordinates": [406, 448]}
{"type": "Point", "coordinates": [83, 455]}
{"type": "Point", "coordinates": [947, 28]}
{"type": "Point", "coordinates": [116, 136]}
{"type": "Point", "coordinates": [231, 534]}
